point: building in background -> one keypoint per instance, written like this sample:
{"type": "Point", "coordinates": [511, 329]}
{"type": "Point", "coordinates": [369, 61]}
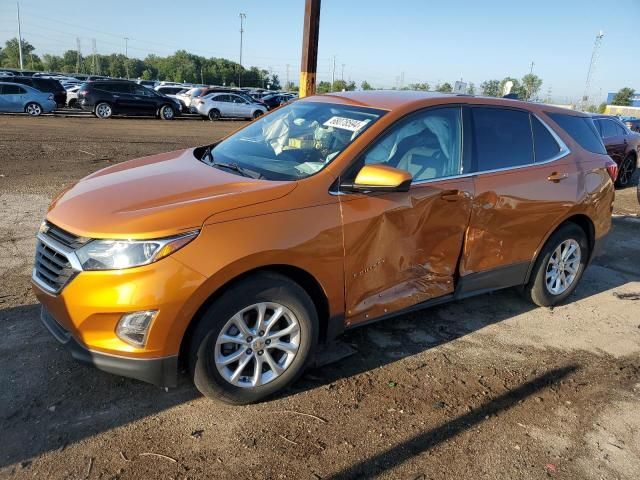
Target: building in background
{"type": "Point", "coordinates": [635, 100]}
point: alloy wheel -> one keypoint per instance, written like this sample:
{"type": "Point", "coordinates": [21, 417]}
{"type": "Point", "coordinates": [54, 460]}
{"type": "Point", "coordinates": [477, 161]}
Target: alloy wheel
{"type": "Point", "coordinates": [34, 109]}
{"type": "Point", "coordinates": [626, 171]}
{"type": "Point", "coordinates": [103, 110]}
{"type": "Point", "coordinates": [167, 113]}
{"type": "Point", "coordinates": [562, 268]}
{"type": "Point", "coordinates": [257, 345]}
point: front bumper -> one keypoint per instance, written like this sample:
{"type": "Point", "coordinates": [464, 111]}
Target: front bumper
{"type": "Point", "coordinates": [158, 371]}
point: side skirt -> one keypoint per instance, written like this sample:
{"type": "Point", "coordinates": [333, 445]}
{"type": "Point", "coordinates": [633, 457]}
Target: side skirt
{"type": "Point", "coordinates": [468, 286]}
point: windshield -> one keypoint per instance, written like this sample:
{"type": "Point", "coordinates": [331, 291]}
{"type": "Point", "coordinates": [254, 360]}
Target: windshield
{"type": "Point", "coordinates": [295, 141]}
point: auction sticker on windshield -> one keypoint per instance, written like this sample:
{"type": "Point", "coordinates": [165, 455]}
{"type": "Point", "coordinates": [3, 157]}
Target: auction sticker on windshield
{"type": "Point", "coordinates": [346, 123]}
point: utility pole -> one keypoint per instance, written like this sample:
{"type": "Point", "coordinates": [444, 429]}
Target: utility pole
{"type": "Point", "coordinates": [20, 37]}
{"type": "Point", "coordinates": [242, 18]}
{"type": "Point", "coordinates": [286, 86]}
{"type": "Point", "coordinates": [126, 55]}
{"type": "Point", "coordinates": [95, 67]}
{"type": "Point", "coordinates": [592, 67]}
{"type": "Point", "coordinates": [309, 63]}
{"type": "Point", "coordinates": [342, 73]}
{"type": "Point", "coordinates": [333, 73]}
{"type": "Point", "coordinates": [79, 60]}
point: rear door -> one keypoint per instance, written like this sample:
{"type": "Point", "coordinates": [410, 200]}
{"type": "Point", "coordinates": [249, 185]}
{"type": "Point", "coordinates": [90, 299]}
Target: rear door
{"type": "Point", "coordinates": [224, 105]}
{"type": "Point", "coordinates": [525, 183]}
{"type": "Point", "coordinates": [14, 97]}
{"type": "Point", "coordinates": [402, 248]}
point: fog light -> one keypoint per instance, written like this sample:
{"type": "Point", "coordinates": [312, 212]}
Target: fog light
{"type": "Point", "coordinates": [134, 327]}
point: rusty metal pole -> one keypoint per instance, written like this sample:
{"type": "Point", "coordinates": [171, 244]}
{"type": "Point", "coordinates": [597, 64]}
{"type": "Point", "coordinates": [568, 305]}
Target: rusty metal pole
{"type": "Point", "coordinates": [310, 48]}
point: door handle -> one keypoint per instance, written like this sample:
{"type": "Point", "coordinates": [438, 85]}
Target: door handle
{"type": "Point", "coordinates": [453, 195]}
{"type": "Point", "coordinates": [116, 96]}
{"type": "Point", "coordinates": [556, 177]}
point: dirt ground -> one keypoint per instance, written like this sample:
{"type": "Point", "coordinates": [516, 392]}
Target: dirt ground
{"type": "Point", "coordinates": [488, 387]}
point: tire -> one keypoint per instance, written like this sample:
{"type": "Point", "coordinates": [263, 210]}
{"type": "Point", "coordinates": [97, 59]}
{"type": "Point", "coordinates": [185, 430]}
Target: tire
{"type": "Point", "coordinates": [103, 110]}
{"type": "Point", "coordinates": [541, 287]}
{"type": "Point", "coordinates": [206, 355]}
{"type": "Point", "coordinates": [257, 114]}
{"type": "Point", "coordinates": [627, 169]}
{"type": "Point", "coordinates": [33, 109]}
{"type": "Point", "coordinates": [167, 112]}
{"type": "Point", "coordinates": [73, 103]}
{"type": "Point", "coordinates": [214, 115]}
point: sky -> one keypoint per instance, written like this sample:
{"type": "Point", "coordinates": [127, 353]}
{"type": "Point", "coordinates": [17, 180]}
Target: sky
{"type": "Point", "coordinates": [381, 41]}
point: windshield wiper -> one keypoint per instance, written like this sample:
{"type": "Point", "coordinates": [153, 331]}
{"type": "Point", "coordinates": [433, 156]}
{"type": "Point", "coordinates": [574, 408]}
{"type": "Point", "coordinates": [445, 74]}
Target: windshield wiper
{"type": "Point", "coordinates": [229, 166]}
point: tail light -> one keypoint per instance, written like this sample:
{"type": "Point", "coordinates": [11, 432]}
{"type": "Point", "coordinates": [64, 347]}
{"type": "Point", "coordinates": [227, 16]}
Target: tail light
{"type": "Point", "coordinates": [612, 169]}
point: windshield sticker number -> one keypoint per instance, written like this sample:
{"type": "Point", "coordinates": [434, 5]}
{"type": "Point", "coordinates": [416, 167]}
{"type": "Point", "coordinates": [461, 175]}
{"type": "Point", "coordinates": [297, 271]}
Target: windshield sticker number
{"type": "Point", "coordinates": [346, 123]}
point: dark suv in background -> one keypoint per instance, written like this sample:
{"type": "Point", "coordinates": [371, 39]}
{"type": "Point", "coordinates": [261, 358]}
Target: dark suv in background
{"type": "Point", "coordinates": [622, 145]}
{"type": "Point", "coordinates": [111, 97]}
{"type": "Point", "coordinates": [47, 85]}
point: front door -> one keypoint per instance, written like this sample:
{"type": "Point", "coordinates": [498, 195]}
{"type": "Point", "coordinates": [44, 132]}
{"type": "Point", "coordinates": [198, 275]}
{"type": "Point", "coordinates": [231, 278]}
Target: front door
{"type": "Point", "coordinates": [402, 248]}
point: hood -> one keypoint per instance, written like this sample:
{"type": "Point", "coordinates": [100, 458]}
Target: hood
{"type": "Point", "coordinates": [156, 196]}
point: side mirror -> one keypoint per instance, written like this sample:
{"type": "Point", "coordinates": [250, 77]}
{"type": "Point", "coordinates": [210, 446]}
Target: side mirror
{"type": "Point", "coordinates": [379, 178]}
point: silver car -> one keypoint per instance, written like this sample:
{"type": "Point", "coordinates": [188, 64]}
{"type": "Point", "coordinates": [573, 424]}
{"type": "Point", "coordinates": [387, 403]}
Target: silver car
{"type": "Point", "coordinates": [226, 105]}
{"type": "Point", "coordinates": [16, 97]}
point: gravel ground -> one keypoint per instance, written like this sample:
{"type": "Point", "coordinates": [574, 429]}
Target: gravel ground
{"type": "Point", "coordinates": [488, 387]}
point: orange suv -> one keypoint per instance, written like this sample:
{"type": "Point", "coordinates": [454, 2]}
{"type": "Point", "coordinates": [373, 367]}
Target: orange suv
{"type": "Point", "coordinates": [235, 260]}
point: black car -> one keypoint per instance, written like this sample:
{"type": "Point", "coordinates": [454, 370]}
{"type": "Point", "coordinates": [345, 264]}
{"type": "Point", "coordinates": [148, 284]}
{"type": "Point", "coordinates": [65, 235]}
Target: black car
{"type": "Point", "coordinates": [48, 85]}
{"type": "Point", "coordinates": [275, 100]}
{"type": "Point", "coordinates": [110, 97]}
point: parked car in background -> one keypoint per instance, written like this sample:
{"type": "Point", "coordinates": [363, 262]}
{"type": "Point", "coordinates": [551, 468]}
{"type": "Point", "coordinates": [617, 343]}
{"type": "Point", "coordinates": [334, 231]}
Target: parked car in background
{"type": "Point", "coordinates": [17, 97]}
{"type": "Point", "coordinates": [72, 97]}
{"type": "Point", "coordinates": [172, 92]}
{"type": "Point", "coordinates": [622, 145]}
{"type": "Point", "coordinates": [226, 105]}
{"type": "Point", "coordinates": [237, 259]}
{"type": "Point", "coordinates": [47, 85]}
{"type": "Point", "coordinates": [275, 100]}
{"type": "Point", "coordinates": [121, 97]}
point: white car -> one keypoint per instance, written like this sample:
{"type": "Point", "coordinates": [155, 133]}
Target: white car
{"type": "Point", "coordinates": [226, 105]}
{"type": "Point", "coordinates": [186, 97]}
{"type": "Point", "coordinates": [72, 97]}
{"type": "Point", "coordinates": [173, 91]}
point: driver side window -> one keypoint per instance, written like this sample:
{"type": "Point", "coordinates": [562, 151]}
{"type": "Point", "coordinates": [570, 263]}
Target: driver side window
{"type": "Point", "coordinates": [426, 144]}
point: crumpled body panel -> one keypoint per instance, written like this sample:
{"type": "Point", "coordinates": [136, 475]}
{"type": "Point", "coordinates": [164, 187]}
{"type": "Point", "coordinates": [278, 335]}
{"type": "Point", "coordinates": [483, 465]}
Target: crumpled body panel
{"type": "Point", "coordinates": [402, 248]}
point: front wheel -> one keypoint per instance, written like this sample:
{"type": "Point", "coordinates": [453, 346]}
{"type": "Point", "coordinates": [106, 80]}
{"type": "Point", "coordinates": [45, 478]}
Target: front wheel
{"type": "Point", "coordinates": [254, 340]}
{"type": "Point", "coordinates": [167, 113]}
{"type": "Point", "coordinates": [559, 266]}
{"type": "Point", "coordinates": [257, 113]}
{"type": "Point", "coordinates": [627, 169]}
{"type": "Point", "coordinates": [33, 109]}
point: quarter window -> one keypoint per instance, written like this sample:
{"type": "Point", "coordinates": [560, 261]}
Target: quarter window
{"type": "Point", "coordinates": [582, 130]}
{"type": "Point", "coordinates": [426, 144]}
{"type": "Point", "coordinates": [12, 90]}
{"type": "Point", "coordinates": [544, 145]}
{"type": "Point", "coordinates": [501, 138]}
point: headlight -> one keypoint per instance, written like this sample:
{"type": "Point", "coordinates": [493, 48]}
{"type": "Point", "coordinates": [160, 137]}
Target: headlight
{"type": "Point", "coordinates": [119, 254]}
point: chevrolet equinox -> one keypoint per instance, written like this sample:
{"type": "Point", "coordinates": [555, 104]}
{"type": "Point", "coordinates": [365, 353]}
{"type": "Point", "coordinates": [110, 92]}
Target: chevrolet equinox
{"type": "Point", "coordinates": [235, 260]}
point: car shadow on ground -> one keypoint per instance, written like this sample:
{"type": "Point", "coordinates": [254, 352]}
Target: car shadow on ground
{"type": "Point", "coordinates": [48, 401]}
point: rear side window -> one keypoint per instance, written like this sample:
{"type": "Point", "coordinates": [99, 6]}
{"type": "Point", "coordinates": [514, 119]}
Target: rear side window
{"type": "Point", "coordinates": [12, 90]}
{"type": "Point", "coordinates": [607, 128]}
{"type": "Point", "coordinates": [582, 130]}
{"type": "Point", "coordinates": [501, 138]}
{"type": "Point", "coordinates": [544, 145]}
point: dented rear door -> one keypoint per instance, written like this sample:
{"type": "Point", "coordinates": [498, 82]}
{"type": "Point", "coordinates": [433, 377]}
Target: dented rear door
{"type": "Point", "coordinates": [402, 249]}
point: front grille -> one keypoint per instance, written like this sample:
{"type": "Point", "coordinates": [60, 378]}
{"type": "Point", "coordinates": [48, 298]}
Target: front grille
{"type": "Point", "coordinates": [66, 238]}
{"type": "Point", "coordinates": [52, 268]}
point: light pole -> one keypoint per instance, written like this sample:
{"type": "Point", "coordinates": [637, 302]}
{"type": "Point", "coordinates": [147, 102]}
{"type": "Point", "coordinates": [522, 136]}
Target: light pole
{"type": "Point", "coordinates": [19, 37]}
{"type": "Point", "coordinates": [243, 16]}
{"type": "Point", "coordinates": [126, 55]}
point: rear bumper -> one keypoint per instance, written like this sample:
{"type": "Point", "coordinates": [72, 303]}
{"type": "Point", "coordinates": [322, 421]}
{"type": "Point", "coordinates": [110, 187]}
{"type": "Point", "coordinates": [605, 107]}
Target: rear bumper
{"type": "Point", "coordinates": [158, 371]}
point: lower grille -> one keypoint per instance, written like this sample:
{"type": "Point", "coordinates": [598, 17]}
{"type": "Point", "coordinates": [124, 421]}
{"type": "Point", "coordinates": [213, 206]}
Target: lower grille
{"type": "Point", "coordinates": [52, 268]}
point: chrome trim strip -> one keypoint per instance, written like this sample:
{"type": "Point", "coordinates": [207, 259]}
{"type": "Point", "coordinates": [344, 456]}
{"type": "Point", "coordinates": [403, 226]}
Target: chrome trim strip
{"type": "Point", "coordinates": [64, 250]}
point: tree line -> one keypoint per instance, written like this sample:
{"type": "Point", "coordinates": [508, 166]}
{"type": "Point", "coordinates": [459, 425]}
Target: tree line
{"type": "Point", "coordinates": [182, 66]}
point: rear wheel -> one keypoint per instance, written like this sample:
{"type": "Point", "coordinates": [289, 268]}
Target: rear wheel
{"type": "Point", "coordinates": [33, 109]}
{"type": "Point", "coordinates": [559, 266]}
{"type": "Point", "coordinates": [103, 110]}
{"type": "Point", "coordinates": [214, 115]}
{"type": "Point", "coordinates": [253, 341]}
{"type": "Point", "coordinates": [627, 169]}
{"type": "Point", "coordinates": [167, 113]}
